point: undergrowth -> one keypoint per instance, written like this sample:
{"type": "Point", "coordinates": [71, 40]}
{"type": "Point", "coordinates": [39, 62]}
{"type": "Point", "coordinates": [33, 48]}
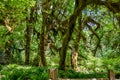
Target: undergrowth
{"type": "Point", "coordinates": [15, 72]}
{"type": "Point", "coordinates": [72, 74]}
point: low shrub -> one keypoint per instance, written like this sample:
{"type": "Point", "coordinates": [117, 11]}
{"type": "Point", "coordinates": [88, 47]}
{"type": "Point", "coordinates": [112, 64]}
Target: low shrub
{"type": "Point", "coordinates": [15, 72]}
{"type": "Point", "coordinates": [73, 74]}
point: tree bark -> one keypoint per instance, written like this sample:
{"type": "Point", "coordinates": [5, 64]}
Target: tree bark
{"type": "Point", "coordinates": [29, 23]}
{"type": "Point", "coordinates": [42, 59]}
{"type": "Point", "coordinates": [28, 40]}
{"type": "Point", "coordinates": [65, 42]}
{"type": "Point", "coordinates": [41, 53]}
{"type": "Point", "coordinates": [74, 55]}
{"type": "Point", "coordinates": [71, 25]}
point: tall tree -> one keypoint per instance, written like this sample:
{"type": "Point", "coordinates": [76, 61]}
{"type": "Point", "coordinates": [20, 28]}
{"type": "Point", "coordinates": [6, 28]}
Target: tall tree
{"type": "Point", "coordinates": [43, 37]}
{"type": "Point", "coordinates": [71, 24]}
{"type": "Point", "coordinates": [74, 54]}
{"type": "Point", "coordinates": [30, 20]}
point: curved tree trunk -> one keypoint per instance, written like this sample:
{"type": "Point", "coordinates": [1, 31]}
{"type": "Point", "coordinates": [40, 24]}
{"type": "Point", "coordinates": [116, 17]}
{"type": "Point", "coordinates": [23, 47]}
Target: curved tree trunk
{"type": "Point", "coordinates": [71, 25]}
{"type": "Point", "coordinates": [66, 41]}
{"type": "Point", "coordinates": [74, 55]}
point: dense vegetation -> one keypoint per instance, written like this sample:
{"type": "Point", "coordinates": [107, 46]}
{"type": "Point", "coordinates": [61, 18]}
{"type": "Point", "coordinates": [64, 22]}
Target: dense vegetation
{"type": "Point", "coordinates": [80, 37]}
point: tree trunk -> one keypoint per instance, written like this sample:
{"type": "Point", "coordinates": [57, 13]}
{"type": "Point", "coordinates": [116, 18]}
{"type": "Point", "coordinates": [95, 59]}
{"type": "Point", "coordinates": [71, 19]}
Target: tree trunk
{"type": "Point", "coordinates": [42, 59]}
{"type": "Point", "coordinates": [66, 41]}
{"type": "Point", "coordinates": [28, 40]}
{"type": "Point", "coordinates": [111, 75]}
{"type": "Point", "coordinates": [74, 57]}
{"type": "Point", "coordinates": [71, 25]}
{"type": "Point", "coordinates": [29, 28]}
{"type": "Point", "coordinates": [74, 54]}
{"type": "Point", "coordinates": [41, 49]}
